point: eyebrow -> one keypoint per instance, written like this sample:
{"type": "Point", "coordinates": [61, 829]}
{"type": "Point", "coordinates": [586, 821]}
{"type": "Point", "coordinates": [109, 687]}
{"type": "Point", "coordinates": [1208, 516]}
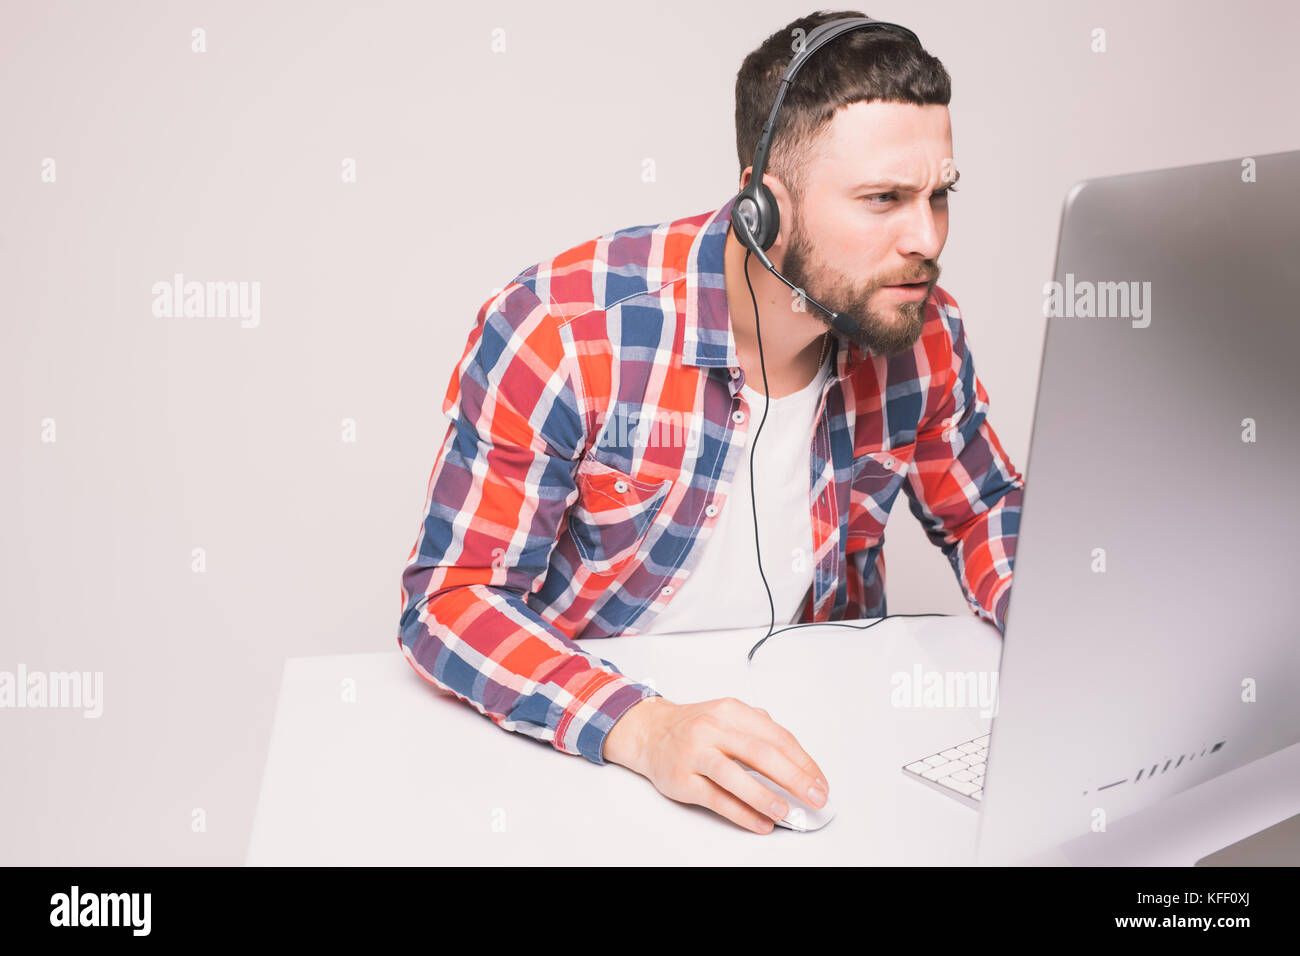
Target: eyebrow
{"type": "Point", "coordinates": [904, 187]}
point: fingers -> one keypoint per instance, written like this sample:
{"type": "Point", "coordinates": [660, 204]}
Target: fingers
{"type": "Point", "coordinates": [725, 804]}
{"type": "Point", "coordinates": [728, 775]}
{"type": "Point", "coordinates": [770, 749]}
{"type": "Point", "coordinates": [694, 760]}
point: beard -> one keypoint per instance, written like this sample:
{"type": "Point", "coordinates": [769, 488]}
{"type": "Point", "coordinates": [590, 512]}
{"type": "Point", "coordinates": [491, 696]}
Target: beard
{"type": "Point", "coordinates": [888, 330]}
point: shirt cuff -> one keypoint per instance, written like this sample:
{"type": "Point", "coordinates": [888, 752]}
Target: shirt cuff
{"type": "Point", "coordinates": [1000, 610]}
{"type": "Point", "coordinates": [585, 729]}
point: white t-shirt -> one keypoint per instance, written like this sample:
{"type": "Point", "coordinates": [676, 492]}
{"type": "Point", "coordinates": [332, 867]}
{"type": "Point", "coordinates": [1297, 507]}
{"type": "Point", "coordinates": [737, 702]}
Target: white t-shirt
{"type": "Point", "coordinates": [725, 589]}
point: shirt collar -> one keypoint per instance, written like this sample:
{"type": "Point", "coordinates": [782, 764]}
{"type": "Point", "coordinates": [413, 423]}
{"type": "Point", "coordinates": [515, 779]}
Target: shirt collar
{"type": "Point", "coordinates": [707, 337]}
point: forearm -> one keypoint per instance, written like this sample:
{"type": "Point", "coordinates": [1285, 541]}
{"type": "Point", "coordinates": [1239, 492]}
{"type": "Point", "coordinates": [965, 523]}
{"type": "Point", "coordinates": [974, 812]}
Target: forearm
{"type": "Point", "coordinates": [985, 559]}
{"type": "Point", "coordinates": [488, 647]}
{"type": "Point", "coordinates": [975, 521]}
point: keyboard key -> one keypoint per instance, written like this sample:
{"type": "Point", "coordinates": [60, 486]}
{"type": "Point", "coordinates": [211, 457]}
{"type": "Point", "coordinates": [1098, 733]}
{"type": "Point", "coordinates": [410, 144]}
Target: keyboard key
{"type": "Point", "coordinates": [976, 768]}
{"type": "Point", "coordinates": [962, 775]}
{"type": "Point", "coordinates": [934, 773]}
{"type": "Point", "coordinates": [960, 786]}
{"type": "Point", "coordinates": [970, 759]}
{"type": "Point", "coordinates": [983, 740]}
{"type": "Point", "coordinates": [919, 767]}
{"type": "Point", "coordinates": [936, 760]}
{"type": "Point", "coordinates": [953, 754]}
{"type": "Point", "coordinates": [969, 748]}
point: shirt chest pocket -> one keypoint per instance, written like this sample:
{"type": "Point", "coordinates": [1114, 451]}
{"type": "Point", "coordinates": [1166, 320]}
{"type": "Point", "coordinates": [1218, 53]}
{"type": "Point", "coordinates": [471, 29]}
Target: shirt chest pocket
{"type": "Point", "coordinates": [877, 478]}
{"type": "Point", "coordinates": [612, 515]}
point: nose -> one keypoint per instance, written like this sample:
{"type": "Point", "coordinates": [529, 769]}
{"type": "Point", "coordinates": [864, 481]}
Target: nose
{"type": "Point", "coordinates": [923, 235]}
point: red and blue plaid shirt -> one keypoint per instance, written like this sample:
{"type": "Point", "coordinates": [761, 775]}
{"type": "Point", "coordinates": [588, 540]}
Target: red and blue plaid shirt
{"type": "Point", "coordinates": [594, 417]}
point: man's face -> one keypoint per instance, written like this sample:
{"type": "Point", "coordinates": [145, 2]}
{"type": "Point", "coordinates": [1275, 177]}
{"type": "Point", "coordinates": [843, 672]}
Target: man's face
{"type": "Point", "coordinates": [874, 215]}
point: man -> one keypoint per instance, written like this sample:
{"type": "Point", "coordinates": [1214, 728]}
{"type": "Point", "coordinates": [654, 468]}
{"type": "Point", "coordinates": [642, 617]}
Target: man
{"type": "Point", "coordinates": [594, 480]}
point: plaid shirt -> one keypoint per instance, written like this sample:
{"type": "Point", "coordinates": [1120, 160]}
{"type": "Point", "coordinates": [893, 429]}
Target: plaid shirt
{"type": "Point", "coordinates": [592, 444]}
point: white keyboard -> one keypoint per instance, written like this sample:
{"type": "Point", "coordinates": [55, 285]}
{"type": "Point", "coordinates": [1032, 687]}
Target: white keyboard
{"type": "Point", "coordinates": [957, 771]}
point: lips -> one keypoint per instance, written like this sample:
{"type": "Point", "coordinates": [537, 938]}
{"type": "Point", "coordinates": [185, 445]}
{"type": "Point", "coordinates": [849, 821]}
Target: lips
{"type": "Point", "coordinates": [911, 291]}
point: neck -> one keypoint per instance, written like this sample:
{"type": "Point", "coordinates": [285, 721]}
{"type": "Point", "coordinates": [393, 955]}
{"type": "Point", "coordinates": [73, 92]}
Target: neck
{"type": "Point", "coordinates": [792, 338]}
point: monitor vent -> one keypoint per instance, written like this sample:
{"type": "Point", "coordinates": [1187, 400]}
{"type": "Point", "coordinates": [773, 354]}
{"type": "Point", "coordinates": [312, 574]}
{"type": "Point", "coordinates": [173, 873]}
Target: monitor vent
{"type": "Point", "coordinates": [1158, 768]}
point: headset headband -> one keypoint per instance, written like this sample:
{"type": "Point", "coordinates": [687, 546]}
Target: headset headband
{"type": "Point", "coordinates": [818, 38]}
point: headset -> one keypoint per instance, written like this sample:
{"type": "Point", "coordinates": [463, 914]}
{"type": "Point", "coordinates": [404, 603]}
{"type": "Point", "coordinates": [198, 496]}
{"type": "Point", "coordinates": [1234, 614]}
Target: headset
{"type": "Point", "coordinates": [756, 219]}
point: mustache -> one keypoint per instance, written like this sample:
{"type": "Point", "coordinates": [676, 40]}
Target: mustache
{"type": "Point", "coordinates": [927, 277]}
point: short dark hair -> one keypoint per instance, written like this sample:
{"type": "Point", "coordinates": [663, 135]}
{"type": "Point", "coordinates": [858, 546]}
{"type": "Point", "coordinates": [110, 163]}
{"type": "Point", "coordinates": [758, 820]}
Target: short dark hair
{"type": "Point", "coordinates": [861, 65]}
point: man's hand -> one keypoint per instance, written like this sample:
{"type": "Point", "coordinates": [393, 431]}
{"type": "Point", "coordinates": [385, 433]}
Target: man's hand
{"type": "Point", "coordinates": [687, 751]}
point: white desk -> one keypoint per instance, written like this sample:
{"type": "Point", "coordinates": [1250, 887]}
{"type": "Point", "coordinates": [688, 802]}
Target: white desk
{"type": "Point", "coordinates": [407, 775]}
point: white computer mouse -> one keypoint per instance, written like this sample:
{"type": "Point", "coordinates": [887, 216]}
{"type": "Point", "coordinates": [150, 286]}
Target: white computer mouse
{"type": "Point", "coordinates": [802, 816]}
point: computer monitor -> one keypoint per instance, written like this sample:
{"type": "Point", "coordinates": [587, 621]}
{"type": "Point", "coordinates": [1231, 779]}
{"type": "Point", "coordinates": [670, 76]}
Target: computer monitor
{"type": "Point", "coordinates": [1152, 637]}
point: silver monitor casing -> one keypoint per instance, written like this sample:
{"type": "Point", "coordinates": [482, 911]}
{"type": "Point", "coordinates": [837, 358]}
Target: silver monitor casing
{"type": "Point", "coordinates": [1180, 661]}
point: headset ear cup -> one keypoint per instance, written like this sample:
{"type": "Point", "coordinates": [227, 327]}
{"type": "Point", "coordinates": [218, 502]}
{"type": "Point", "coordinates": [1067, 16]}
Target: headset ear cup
{"type": "Point", "coordinates": [769, 217]}
{"type": "Point", "coordinates": [744, 211]}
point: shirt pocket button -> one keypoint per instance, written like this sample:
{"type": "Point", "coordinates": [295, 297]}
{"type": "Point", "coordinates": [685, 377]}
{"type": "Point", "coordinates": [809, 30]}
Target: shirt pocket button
{"type": "Point", "coordinates": [612, 516]}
